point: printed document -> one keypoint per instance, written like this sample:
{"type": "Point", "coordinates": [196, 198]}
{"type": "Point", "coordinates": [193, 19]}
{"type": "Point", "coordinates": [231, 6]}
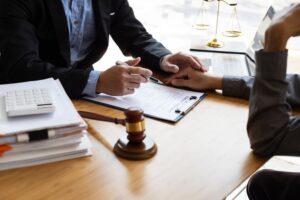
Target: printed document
{"type": "Point", "coordinates": [157, 101]}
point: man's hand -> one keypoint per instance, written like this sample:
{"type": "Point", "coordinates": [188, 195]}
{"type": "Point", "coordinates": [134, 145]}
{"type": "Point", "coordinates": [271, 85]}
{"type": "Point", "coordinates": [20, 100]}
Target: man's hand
{"type": "Point", "coordinates": [172, 62]}
{"type": "Point", "coordinates": [286, 25]}
{"type": "Point", "coordinates": [195, 79]}
{"type": "Point", "coordinates": [123, 78]}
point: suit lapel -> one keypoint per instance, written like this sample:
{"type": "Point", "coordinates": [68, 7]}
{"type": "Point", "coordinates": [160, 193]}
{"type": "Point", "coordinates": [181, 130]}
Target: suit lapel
{"type": "Point", "coordinates": [102, 30]}
{"type": "Point", "coordinates": [61, 28]}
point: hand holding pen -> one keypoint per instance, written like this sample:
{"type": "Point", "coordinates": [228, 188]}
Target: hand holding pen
{"type": "Point", "coordinates": [151, 78]}
{"type": "Point", "coordinates": [123, 78]}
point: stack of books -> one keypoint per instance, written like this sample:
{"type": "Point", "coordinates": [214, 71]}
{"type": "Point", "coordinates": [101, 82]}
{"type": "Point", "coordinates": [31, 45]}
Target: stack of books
{"type": "Point", "coordinates": [38, 139]}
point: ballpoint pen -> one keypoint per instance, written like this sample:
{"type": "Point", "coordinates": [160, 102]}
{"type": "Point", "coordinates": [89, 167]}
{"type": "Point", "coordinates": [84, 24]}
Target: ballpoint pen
{"type": "Point", "coordinates": [155, 80]}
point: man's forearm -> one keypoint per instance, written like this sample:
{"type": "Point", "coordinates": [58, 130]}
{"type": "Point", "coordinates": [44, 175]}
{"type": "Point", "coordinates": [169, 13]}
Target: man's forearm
{"type": "Point", "coordinates": [269, 127]}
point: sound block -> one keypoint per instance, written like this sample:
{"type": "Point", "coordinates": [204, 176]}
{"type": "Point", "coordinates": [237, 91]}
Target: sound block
{"type": "Point", "coordinates": [135, 151]}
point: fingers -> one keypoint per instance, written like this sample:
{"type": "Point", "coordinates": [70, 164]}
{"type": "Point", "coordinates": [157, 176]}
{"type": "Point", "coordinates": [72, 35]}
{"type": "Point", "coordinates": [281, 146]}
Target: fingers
{"type": "Point", "coordinates": [202, 67]}
{"type": "Point", "coordinates": [180, 82]}
{"type": "Point", "coordinates": [128, 91]}
{"type": "Point", "coordinates": [191, 60]}
{"type": "Point", "coordinates": [136, 74]}
{"type": "Point", "coordinates": [131, 85]}
{"type": "Point", "coordinates": [180, 75]}
{"type": "Point", "coordinates": [129, 88]}
{"type": "Point", "coordinates": [133, 62]}
{"type": "Point", "coordinates": [172, 62]}
{"type": "Point", "coordinates": [146, 73]}
{"type": "Point", "coordinates": [136, 78]}
{"type": "Point", "coordinates": [171, 68]}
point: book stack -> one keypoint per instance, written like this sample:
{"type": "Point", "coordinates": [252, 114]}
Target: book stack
{"type": "Point", "coordinates": [38, 139]}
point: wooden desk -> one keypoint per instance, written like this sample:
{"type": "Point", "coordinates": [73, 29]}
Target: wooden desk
{"type": "Point", "coordinates": [204, 156]}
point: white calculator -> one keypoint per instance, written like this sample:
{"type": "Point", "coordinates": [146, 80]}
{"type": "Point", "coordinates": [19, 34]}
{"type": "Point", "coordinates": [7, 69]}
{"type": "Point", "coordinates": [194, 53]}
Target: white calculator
{"type": "Point", "coordinates": [28, 102]}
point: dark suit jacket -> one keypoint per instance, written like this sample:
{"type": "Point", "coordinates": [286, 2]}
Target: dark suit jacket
{"type": "Point", "coordinates": [34, 41]}
{"type": "Point", "coordinates": [272, 93]}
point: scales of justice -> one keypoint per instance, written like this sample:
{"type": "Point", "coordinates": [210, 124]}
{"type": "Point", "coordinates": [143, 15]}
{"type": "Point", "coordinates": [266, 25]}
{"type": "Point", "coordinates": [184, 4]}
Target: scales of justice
{"type": "Point", "coordinates": [233, 29]}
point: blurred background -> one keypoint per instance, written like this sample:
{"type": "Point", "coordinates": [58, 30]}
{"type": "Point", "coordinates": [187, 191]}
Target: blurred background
{"type": "Point", "coordinates": [171, 22]}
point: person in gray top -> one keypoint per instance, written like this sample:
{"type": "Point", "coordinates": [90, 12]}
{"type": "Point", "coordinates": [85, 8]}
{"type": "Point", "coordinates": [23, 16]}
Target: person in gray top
{"type": "Point", "coordinates": [271, 129]}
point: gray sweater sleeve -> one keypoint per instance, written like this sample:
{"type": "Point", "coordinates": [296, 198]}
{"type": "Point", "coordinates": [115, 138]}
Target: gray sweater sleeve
{"type": "Point", "coordinates": [271, 129]}
{"type": "Point", "coordinates": [240, 87]}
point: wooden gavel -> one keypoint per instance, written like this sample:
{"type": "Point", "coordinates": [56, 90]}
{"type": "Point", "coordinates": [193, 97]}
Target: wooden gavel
{"type": "Point", "coordinates": [136, 146]}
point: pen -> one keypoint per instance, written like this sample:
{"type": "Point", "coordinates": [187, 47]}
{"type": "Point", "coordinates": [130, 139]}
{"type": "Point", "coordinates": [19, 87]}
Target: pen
{"type": "Point", "coordinates": [121, 63]}
{"type": "Point", "coordinates": [155, 80]}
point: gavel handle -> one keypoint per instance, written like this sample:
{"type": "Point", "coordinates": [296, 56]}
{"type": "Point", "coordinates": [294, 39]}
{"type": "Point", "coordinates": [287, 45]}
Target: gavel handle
{"type": "Point", "coordinates": [98, 117]}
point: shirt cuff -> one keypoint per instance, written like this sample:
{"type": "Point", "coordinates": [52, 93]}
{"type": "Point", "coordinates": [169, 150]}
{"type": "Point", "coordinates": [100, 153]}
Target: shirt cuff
{"type": "Point", "coordinates": [271, 65]}
{"type": "Point", "coordinates": [90, 87]}
{"type": "Point", "coordinates": [234, 86]}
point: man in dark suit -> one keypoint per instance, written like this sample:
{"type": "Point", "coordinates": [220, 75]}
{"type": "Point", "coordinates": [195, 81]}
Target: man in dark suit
{"type": "Point", "coordinates": [64, 38]}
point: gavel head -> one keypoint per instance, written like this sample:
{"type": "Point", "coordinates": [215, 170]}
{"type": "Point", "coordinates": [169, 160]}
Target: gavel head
{"type": "Point", "coordinates": [136, 145]}
{"type": "Point", "coordinates": [135, 124]}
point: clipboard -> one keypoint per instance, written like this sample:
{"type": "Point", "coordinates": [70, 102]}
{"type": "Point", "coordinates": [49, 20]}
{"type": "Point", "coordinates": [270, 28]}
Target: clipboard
{"type": "Point", "coordinates": [157, 100]}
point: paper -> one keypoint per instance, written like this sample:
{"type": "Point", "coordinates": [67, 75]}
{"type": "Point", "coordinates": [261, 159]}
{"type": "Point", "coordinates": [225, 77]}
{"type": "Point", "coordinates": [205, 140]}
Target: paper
{"type": "Point", "coordinates": [64, 115]}
{"type": "Point", "coordinates": [46, 156]}
{"type": "Point", "coordinates": [279, 163]}
{"type": "Point", "coordinates": [69, 140]}
{"type": "Point", "coordinates": [158, 101]}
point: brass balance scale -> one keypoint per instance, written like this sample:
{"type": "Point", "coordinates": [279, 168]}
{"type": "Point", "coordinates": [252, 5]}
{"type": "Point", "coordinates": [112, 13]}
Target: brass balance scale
{"type": "Point", "coordinates": [233, 29]}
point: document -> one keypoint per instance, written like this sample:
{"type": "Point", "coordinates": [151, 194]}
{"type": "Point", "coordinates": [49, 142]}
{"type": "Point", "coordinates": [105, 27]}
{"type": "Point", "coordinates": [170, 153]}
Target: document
{"type": "Point", "coordinates": [38, 139]}
{"type": "Point", "coordinates": [279, 163]}
{"type": "Point", "coordinates": [47, 155]}
{"type": "Point", "coordinates": [157, 100]}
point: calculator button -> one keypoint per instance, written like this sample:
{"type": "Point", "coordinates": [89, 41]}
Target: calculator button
{"type": "Point", "coordinates": [28, 102]}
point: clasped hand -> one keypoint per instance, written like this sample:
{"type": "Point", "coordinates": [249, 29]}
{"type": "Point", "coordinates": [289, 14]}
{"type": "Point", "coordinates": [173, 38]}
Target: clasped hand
{"type": "Point", "coordinates": [125, 77]}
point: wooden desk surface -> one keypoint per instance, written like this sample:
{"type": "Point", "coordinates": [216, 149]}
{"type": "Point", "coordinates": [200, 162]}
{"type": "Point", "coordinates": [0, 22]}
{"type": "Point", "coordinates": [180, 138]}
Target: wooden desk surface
{"type": "Point", "coordinates": [204, 156]}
